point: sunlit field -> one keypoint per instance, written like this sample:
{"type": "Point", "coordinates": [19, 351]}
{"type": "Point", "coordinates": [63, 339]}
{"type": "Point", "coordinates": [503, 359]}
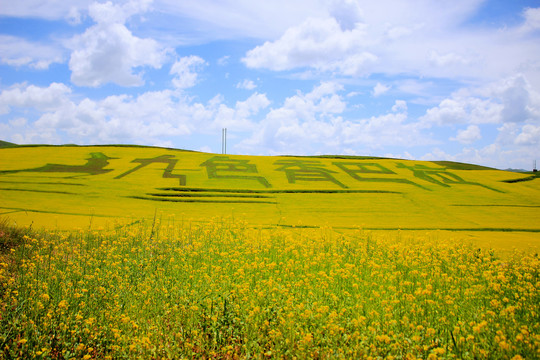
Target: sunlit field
{"type": "Point", "coordinates": [223, 290]}
{"type": "Point", "coordinates": [150, 253]}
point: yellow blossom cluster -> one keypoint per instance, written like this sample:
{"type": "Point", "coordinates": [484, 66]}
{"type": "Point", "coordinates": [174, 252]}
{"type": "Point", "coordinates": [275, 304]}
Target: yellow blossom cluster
{"type": "Point", "coordinates": [227, 290]}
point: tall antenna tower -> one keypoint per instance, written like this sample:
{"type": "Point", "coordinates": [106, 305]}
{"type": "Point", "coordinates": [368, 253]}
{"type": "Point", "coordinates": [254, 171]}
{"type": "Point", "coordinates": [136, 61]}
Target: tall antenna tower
{"type": "Point", "coordinates": [534, 166]}
{"type": "Point", "coordinates": [224, 140]}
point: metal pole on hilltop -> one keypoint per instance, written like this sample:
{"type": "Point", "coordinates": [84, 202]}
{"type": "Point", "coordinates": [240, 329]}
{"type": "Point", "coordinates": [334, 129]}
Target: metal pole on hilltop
{"type": "Point", "coordinates": [224, 140]}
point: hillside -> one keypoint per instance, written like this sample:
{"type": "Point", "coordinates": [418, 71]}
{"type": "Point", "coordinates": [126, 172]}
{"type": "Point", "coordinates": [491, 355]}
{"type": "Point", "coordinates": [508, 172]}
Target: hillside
{"type": "Point", "coordinates": [80, 186]}
{"type": "Point", "coordinates": [6, 144]}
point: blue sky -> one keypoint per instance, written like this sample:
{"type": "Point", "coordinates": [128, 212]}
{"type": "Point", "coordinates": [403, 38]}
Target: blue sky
{"type": "Point", "coordinates": [418, 79]}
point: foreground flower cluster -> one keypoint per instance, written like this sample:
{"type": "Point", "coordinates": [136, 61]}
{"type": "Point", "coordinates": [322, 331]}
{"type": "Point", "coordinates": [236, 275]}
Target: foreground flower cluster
{"type": "Point", "coordinates": [222, 290]}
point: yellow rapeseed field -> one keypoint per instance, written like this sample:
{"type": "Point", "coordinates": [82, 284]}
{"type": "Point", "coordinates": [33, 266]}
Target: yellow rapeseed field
{"type": "Point", "coordinates": [225, 290]}
{"type": "Point", "coordinates": [80, 187]}
{"type": "Point", "coordinates": [117, 252]}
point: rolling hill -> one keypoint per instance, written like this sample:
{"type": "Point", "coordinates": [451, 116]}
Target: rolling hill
{"type": "Point", "coordinates": [66, 187]}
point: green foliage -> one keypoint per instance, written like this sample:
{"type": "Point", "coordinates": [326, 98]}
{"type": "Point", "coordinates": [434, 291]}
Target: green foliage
{"type": "Point", "coordinates": [11, 236]}
{"type": "Point", "coordinates": [6, 144]}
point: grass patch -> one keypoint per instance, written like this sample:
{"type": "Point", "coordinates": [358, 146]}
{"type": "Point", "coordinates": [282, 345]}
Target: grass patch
{"type": "Point", "coordinates": [528, 178]}
{"type": "Point", "coordinates": [11, 236]}
{"type": "Point", "coordinates": [198, 200]}
{"type": "Point", "coordinates": [41, 183]}
{"type": "Point", "coordinates": [453, 165]}
{"type": "Point", "coordinates": [498, 205]}
{"type": "Point", "coordinates": [198, 195]}
{"type": "Point", "coordinates": [39, 191]}
{"type": "Point", "coordinates": [283, 191]}
{"type": "Point", "coordinates": [5, 144]}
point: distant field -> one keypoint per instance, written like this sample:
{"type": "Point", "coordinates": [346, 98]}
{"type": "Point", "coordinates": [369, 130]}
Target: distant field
{"type": "Point", "coordinates": [68, 187]}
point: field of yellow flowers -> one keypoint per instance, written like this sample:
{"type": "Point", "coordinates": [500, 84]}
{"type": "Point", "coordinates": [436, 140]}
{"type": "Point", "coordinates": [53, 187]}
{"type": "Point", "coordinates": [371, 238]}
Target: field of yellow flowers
{"type": "Point", "coordinates": [122, 252]}
{"type": "Point", "coordinates": [224, 290]}
{"type": "Point", "coordinates": [67, 187]}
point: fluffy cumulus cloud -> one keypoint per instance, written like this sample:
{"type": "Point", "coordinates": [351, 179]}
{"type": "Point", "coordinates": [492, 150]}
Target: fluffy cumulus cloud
{"type": "Point", "coordinates": [509, 100]}
{"type": "Point", "coordinates": [469, 135]}
{"type": "Point", "coordinates": [417, 38]}
{"type": "Point", "coordinates": [246, 84]}
{"type": "Point", "coordinates": [149, 118]}
{"type": "Point", "coordinates": [109, 52]}
{"type": "Point", "coordinates": [510, 108]}
{"type": "Point", "coordinates": [31, 96]}
{"type": "Point", "coordinates": [316, 43]}
{"type": "Point", "coordinates": [239, 117]}
{"type": "Point", "coordinates": [380, 89]}
{"type": "Point", "coordinates": [186, 70]}
{"type": "Point", "coordinates": [51, 10]}
{"type": "Point", "coordinates": [19, 52]}
{"type": "Point", "coordinates": [312, 123]}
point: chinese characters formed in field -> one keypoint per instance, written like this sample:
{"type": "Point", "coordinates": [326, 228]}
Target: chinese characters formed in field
{"type": "Point", "coordinates": [296, 171]}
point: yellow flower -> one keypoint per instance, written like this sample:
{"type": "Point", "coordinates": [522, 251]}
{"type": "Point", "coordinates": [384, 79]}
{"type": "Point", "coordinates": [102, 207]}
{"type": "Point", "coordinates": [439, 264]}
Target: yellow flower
{"type": "Point", "coordinates": [62, 304]}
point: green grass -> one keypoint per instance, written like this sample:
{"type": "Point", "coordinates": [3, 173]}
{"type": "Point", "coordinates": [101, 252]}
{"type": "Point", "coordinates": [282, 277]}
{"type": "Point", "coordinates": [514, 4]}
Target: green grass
{"type": "Point", "coordinates": [6, 144]}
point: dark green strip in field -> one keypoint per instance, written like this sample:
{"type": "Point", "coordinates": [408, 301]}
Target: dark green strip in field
{"type": "Point", "coordinates": [42, 183]}
{"type": "Point", "coordinates": [190, 200]}
{"type": "Point", "coordinates": [498, 205]}
{"type": "Point", "coordinates": [40, 191]}
{"type": "Point", "coordinates": [414, 229]}
{"type": "Point", "coordinates": [245, 191]}
{"type": "Point", "coordinates": [51, 212]}
{"type": "Point", "coordinates": [212, 195]}
{"type": "Point", "coordinates": [528, 178]}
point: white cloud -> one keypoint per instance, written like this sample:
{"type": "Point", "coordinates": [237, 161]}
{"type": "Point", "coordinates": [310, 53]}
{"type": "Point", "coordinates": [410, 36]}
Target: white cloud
{"type": "Point", "coordinates": [399, 105]}
{"type": "Point", "coordinates": [150, 118]}
{"type": "Point", "coordinates": [18, 122]}
{"type": "Point", "coordinates": [18, 52]}
{"type": "Point", "coordinates": [447, 59]}
{"type": "Point", "coordinates": [508, 100]}
{"type": "Point", "coordinates": [380, 89]}
{"type": "Point", "coordinates": [317, 43]}
{"type": "Point", "coordinates": [31, 96]}
{"type": "Point", "coordinates": [469, 135]}
{"type": "Point", "coordinates": [449, 111]}
{"type": "Point", "coordinates": [532, 19]}
{"type": "Point", "coordinates": [246, 84]}
{"type": "Point", "coordinates": [347, 13]}
{"type": "Point", "coordinates": [185, 71]}
{"type": "Point", "coordinates": [312, 123]}
{"type": "Point", "coordinates": [416, 38]}
{"type": "Point", "coordinates": [51, 9]}
{"type": "Point", "coordinates": [109, 52]}
{"type": "Point", "coordinates": [240, 18]}
{"type": "Point", "coordinates": [239, 118]}
{"type": "Point", "coordinates": [530, 135]}
{"type": "Point", "coordinates": [224, 60]}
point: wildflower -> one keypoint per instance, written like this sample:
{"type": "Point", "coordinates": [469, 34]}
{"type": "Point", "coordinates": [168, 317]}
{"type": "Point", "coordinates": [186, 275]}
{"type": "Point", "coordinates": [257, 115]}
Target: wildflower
{"type": "Point", "coordinates": [62, 304]}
